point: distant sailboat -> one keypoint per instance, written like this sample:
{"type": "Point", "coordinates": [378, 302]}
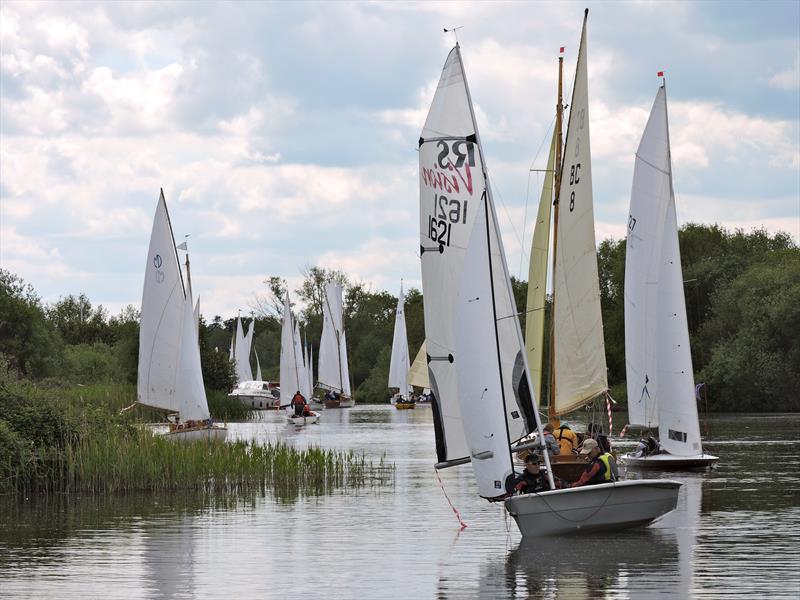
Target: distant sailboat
{"type": "Point", "coordinates": [399, 363]}
{"type": "Point", "coordinates": [486, 351]}
{"type": "Point", "coordinates": [292, 372]}
{"type": "Point", "coordinates": [240, 351]}
{"type": "Point", "coordinates": [169, 373]}
{"type": "Point", "coordinates": [333, 371]}
{"type": "Point", "coordinates": [418, 373]}
{"type": "Point", "coordinates": [658, 359]}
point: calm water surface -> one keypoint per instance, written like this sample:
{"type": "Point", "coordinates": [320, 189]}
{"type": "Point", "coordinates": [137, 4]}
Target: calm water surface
{"type": "Point", "coordinates": [736, 532]}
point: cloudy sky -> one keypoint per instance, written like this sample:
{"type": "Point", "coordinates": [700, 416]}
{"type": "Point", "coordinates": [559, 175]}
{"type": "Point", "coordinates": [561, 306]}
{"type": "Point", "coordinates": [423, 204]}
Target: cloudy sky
{"type": "Point", "coordinates": [285, 135]}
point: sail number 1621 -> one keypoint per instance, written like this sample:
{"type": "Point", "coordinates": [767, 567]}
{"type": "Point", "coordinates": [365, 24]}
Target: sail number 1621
{"type": "Point", "coordinates": [446, 213]}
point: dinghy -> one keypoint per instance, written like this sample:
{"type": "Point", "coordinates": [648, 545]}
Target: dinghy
{"type": "Point", "coordinates": [169, 373]}
{"type": "Point", "coordinates": [399, 363]}
{"type": "Point", "coordinates": [334, 373]}
{"type": "Point", "coordinates": [658, 360]}
{"type": "Point", "coordinates": [477, 360]}
{"type": "Point", "coordinates": [294, 377]}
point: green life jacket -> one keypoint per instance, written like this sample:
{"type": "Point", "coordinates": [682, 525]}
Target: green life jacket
{"type": "Point", "coordinates": [608, 469]}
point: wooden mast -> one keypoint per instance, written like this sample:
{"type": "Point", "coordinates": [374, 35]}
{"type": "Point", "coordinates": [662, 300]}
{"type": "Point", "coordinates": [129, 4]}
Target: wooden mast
{"type": "Point", "coordinates": [552, 416]}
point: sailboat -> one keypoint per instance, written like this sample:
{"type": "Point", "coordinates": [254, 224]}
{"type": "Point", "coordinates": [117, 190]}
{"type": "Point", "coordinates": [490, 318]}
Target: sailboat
{"type": "Point", "coordinates": [658, 358]}
{"type": "Point", "coordinates": [169, 373]}
{"type": "Point", "coordinates": [240, 351]}
{"type": "Point", "coordinates": [399, 364]}
{"type": "Point", "coordinates": [477, 363]}
{"type": "Point", "coordinates": [292, 371]}
{"type": "Point", "coordinates": [576, 349]}
{"type": "Point", "coordinates": [333, 372]}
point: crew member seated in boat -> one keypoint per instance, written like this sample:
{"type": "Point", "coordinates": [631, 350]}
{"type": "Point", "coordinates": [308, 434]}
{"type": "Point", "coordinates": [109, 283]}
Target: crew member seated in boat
{"type": "Point", "coordinates": [567, 439]}
{"type": "Point", "coordinates": [298, 402]}
{"type": "Point", "coordinates": [307, 410]}
{"type": "Point", "coordinates": [532, 479]}
{"type": "Point", "coordinates": [647, 447]}
{"type": "Point", "coordinates": [553, 446]}
{"type": "Point", "coordinates": [601, 469]}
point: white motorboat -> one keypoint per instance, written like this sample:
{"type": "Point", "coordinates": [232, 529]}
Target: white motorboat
{"type": "Point", "coordinates": [258, 395]}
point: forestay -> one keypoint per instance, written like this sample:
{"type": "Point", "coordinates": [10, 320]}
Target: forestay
{"type": "Point", "coordinates": [163, 304]}
{"type": "Point", "coordinates": [333, 372]}
{"type": "Point", "coordinates": [657, 353]}
{"type": "Point", "coordinates": [579, 351]}
{"type": "Point", "coordinates": [400, 363]}
{"type": "Point", "coordinates": [452, 184]}
{"type": "Point", "coordinates": [537, 278]}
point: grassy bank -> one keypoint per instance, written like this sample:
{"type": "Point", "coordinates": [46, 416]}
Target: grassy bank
{"type": "Point", "coordinates": [62, 440]}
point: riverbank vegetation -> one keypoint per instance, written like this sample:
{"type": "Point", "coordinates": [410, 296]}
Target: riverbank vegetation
{"type": "Point", "coordinates": [64, 440]}
{"type": "Point", "coordinates": [742, 298]}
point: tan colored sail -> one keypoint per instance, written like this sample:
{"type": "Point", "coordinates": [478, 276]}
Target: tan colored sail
{"type": "Point", "coordinates": [537, 279]}
{"type": "Point", "coordinates": [418, 374]}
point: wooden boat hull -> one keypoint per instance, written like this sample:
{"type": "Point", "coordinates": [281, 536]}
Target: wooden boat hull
{"type": "Point", "coordinates": [298, 421]}
{"type": "Point", "coordinates": [405, 405]}
{"type": "Point", "coordinates": [215, 433]}
{"type": "Point", "coordinates": [670, 461]}
{"type": "Point", "coordinates": [341, 403]}
{"type": "Point", "coordinates": [607, 506]}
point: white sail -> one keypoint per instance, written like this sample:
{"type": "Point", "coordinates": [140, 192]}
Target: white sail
{"type": "Point", "coordinates": [418, 373]}
{"type": "Point", "coordinates": [657, 353]}
{"type": "Point", "coordinates": [243, 356]}
{"type": "Point", "coordinates": [452, 184]}
{"type": "Point", "coordinates": [288, 364]}
{"type": "Point", "coordinates": [258, 368]}
{"type": "Point", "coordinates": [311, 369]}
{"type": "Point", "coordinates": [478, 369]}
{"type": "Point", "coordinates": [302, 375]}
{"type": "Point", "coordinates": [197, 316]}
{"type": "Point", "coordinates": [189, 389]}
{"type": "Point", "coordinates": [163, 305]}
{"type": "Point", "coordinates": [333, 372]}
{"type": "Point", "coordinates": [399, 363]}
{"type": "Point", "coordinates": [537, 277]}
{"type": "Point", "coordinates": [580, 359]}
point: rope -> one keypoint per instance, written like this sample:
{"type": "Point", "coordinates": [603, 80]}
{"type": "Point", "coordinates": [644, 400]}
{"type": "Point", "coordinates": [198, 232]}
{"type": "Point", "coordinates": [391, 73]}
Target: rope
{"type": "Point", "coordinates": [599, 508]}
{"type": "Point", "coordinates": [610, 420]}
{"type": "Point", "coordinates": [455, 510]}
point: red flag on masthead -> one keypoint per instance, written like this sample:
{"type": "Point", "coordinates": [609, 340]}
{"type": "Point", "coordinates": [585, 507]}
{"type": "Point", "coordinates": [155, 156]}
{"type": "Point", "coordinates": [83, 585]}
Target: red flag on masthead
{"type": "Point", "coordinates": [660, 73]}
{"type": "Point", "coordinates": [561, 51]}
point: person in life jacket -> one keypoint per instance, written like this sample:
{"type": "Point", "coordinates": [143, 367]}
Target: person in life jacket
{"type": "Point", "coordinates": [532, 479]}
{"type": "Point", "coordinates": [601, 469]}
{"type": "Point", "coordinates": [298, 402]}
{"type": "Point", "coordinates": [566, 438]}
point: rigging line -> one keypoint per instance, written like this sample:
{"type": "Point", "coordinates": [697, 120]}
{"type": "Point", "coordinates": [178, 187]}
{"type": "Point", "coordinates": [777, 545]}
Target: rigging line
{"type": "Point", "coordinates": [528, 191]}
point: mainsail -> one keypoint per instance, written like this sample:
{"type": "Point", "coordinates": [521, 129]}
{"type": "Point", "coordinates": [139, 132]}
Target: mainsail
{"type": "Point", "coordinates": [289, 374]}
{"type": "Point", "coordinates": [163, 307]}
{"type": "Point", "coordinates": [399, 363]}
{"type": "Point", "coordinates": [189, 388]}
{"type": "Point", "coordinates": [579, 351]}
{"type": "Point", "coordinates": [333, 372]}
{"type": "Point", "coordinates": [453, 182]}
{"type": "Point", "coordinates": [302, 376]}
{"type": "Point", "coordinates": [657, 354]}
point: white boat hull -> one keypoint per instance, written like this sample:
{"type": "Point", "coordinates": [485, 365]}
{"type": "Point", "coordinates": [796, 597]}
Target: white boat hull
{"type": "Point", "coordinates": [214, 433]}
{"type": "Point", "coordinates": [309, 420]}
{"type": "Point", "coordinates": [619, 505]}
{"type": "Point", "coordinates": [670, 461]}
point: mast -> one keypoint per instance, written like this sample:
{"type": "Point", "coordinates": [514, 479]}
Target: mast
{"type": "Point", "coordinates": [552, 417]}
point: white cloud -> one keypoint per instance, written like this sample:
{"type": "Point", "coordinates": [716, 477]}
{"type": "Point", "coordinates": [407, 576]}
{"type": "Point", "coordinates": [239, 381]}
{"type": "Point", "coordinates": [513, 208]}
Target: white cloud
{"type": "Point", "coordinates": [789, 79]}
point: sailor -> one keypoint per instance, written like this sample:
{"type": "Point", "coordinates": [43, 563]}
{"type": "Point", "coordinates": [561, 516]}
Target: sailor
{"type": "Point", "coordinates": [601, 469]}
{"type": "Point", "coordinates": [567, 439]}
{"type": "Point", "coordinates": [595, 432]}
{"type": "Point", "coordinates": [553, 447]}
{"type": "Point", "coordinates": [532, 479]}
{"type": "Point", "coordinates": [298, 402]}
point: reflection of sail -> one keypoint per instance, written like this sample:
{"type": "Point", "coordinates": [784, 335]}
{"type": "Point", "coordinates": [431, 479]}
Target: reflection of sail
{"type": "Point", "coordinates": [169, 558]}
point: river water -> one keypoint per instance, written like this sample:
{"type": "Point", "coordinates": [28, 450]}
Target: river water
{"type": "Point", "coordinates": [735, 533]}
